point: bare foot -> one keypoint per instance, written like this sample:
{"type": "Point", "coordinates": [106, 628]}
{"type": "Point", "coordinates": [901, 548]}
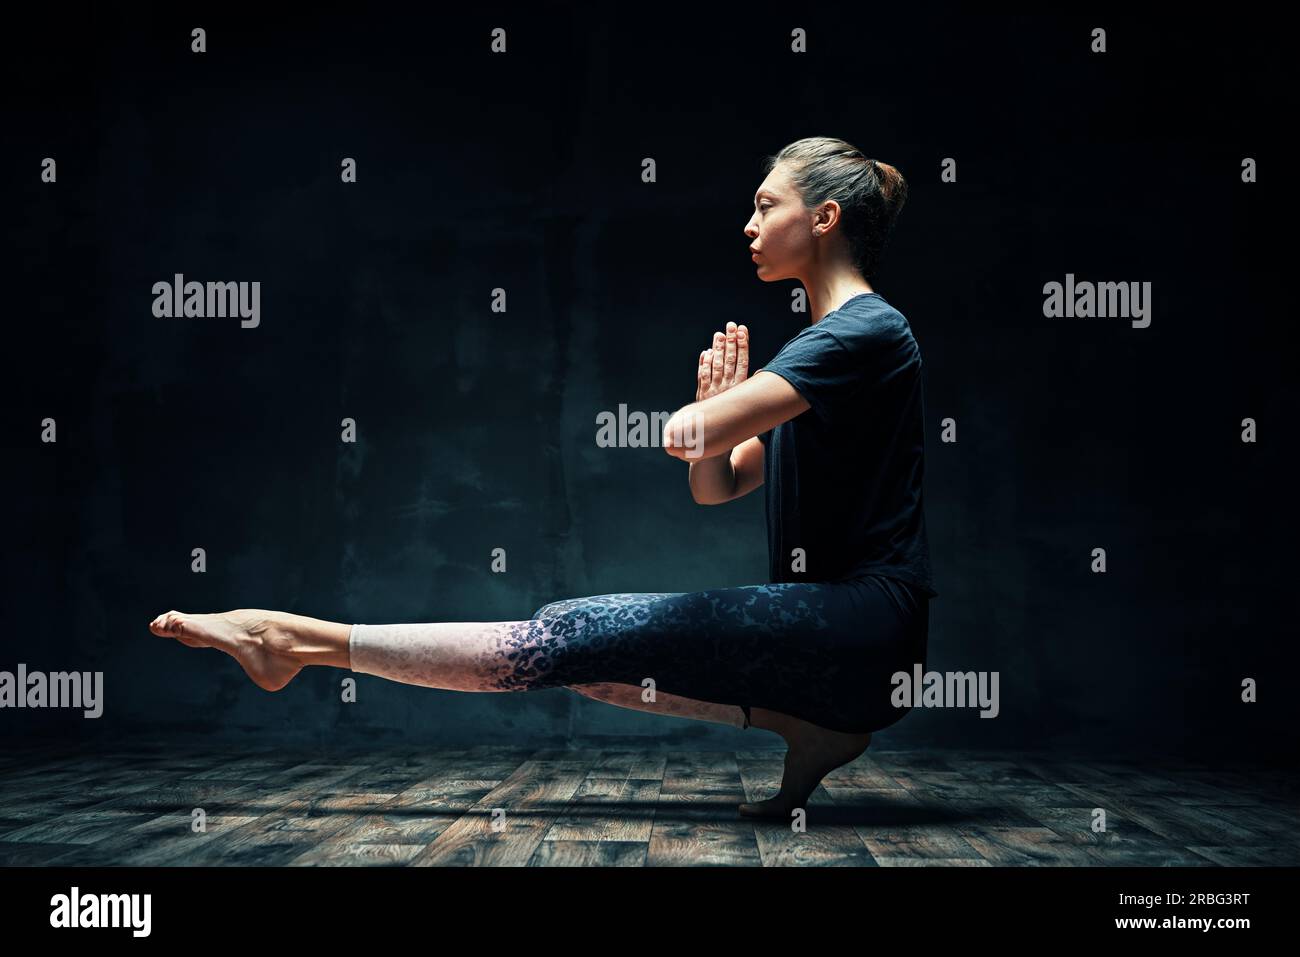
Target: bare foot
{"type": "Point", "coordinates": [813, 753]}
{"type": "Point", "coordinates": [252, 636]}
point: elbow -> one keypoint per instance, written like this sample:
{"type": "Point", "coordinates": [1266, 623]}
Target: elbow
{"type": "Point", "coordinates": [671, 440]}
{"type": "Point", "coordinates": [667, 440]}
{"type": "Point", "coordinates": [683, 437]}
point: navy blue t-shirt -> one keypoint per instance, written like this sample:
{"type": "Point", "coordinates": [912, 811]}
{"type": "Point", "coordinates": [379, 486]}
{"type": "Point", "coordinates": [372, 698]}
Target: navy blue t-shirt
{"type": "Point", "coordinates": [844, 478]}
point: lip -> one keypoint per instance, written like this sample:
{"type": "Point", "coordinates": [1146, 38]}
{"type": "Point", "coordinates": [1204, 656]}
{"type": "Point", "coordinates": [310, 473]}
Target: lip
{"type": "Point", "coordinates": [754, 256]}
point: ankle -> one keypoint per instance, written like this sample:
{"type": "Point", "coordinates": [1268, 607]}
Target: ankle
{"type": "Point", "coordinates": [275, 632]}
{"type": "Point", "coordinates": [307, 641]}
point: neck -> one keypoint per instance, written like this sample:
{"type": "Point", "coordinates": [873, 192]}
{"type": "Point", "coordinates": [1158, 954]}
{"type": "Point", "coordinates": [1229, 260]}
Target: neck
{"type": "Point", "coordinates": [828, 293]}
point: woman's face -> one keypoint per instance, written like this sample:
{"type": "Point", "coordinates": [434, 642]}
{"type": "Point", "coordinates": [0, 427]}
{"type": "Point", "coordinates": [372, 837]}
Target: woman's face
{"type": "Point", "coordinates": [780, 231]}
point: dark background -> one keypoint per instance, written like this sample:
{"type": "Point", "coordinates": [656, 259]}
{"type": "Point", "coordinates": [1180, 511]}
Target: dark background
{"type": "Point", "coordinates": [477, 430]}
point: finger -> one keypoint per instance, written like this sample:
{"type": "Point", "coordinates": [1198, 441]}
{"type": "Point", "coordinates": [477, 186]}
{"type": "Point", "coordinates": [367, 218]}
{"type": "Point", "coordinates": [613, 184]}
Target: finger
{"type": "Point", "coordinates": [729, 358]}
{"type": "Point", "coordinates": [702, 374]}
{"type": "Point", "coordinates": [719, 354]}
{"type": "Point", "coordinates": [742, 353]}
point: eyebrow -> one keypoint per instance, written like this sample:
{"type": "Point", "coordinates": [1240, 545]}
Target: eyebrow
{"type": "Point", "coordinates": [763, 192]}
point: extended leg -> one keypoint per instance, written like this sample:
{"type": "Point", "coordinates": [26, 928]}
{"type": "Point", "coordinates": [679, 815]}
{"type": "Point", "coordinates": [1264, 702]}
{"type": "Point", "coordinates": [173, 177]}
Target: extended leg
{"type": "Point", "coordinates": [273, 646]}
{"type": "Point", "coordinates": [819, 652]}
{"type": "Point", "coordinates": [634, 696]}
{"type": "Point", "coordinates": [461, 656]}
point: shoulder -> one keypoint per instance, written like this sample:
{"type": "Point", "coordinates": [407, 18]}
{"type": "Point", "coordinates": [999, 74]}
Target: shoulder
{"type": "Point", "coordinates": [866, 329]}
{"type": "Point", "coordinates": [868, 322]}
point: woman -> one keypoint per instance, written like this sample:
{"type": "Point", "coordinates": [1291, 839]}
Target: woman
{"type": "Point", "coordinates": [832, 426]}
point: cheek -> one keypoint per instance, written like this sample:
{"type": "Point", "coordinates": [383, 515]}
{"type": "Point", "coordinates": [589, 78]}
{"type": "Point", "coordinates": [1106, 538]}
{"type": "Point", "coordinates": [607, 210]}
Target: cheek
{"type": "Point", "coordinates": [781, 235]}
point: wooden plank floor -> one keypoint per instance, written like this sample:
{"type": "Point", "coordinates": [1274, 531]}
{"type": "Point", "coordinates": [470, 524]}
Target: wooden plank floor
{"type": "Point", "coordinates": [515, 807]}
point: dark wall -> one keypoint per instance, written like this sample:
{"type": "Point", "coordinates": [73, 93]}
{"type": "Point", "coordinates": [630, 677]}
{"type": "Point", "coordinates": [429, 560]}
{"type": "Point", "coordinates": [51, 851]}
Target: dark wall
{"type": "Point", "coordinates": [477, 429]}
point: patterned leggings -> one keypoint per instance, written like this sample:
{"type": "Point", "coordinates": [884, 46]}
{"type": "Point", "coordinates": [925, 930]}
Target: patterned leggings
{"type": "Point", "coordinates": [820, 651]}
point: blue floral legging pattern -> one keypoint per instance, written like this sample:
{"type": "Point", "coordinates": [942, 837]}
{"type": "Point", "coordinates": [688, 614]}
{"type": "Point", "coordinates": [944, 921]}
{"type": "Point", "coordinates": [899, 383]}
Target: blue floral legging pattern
{"type": "Point", "coordinates": [821, 651]}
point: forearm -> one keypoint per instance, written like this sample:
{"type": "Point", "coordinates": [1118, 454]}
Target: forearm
{"type": "Point", "coordinates": [713, 480]}
{"type": "Point", "coordinates": [714, 426]}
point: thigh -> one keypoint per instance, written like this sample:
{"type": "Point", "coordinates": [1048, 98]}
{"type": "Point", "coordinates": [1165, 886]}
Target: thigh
{"type": "Point", "coordinates": [612, 600]}
{"type": "Point", "coordinates": [823, 652]}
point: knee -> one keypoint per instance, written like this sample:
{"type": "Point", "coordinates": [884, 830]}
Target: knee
{"type": "Point", "coordinates": [548, 610]}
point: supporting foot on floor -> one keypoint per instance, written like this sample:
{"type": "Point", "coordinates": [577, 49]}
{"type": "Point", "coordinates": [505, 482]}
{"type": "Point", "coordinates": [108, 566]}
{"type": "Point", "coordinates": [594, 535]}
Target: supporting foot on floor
{"type": "Point", "coordinates": [812, 754]}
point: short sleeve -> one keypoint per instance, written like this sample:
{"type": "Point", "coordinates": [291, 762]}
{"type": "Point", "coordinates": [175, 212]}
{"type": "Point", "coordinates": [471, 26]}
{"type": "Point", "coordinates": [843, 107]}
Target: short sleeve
{"type": "Point", "coordinates": [822, 369]}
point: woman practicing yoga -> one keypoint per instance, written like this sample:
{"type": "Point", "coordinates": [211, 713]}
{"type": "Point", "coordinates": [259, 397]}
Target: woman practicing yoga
{"type": "Point", "coordinates": [832, 426]}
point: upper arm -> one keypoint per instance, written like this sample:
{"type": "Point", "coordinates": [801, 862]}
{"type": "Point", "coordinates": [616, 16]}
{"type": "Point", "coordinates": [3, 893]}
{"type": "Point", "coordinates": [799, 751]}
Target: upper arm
{"type": "Point", "coordinates": [747, 463]}
{"type": "Point", "coordinates": [721, 422]}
